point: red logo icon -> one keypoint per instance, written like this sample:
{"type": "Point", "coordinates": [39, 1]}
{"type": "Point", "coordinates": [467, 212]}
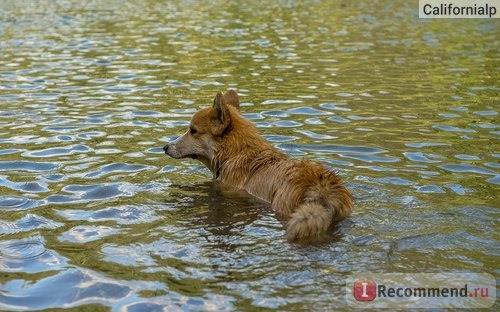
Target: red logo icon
{"type": "Point", "coordinates": [365, 290]}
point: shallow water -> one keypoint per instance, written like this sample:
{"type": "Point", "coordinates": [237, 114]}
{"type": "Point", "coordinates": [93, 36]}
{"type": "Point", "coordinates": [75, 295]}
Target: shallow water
{"type": "Point", "coordinates": [92, 213]}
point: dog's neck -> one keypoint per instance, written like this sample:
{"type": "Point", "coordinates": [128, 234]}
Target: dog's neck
{"type": "Point", "coordinates": [237, 160]}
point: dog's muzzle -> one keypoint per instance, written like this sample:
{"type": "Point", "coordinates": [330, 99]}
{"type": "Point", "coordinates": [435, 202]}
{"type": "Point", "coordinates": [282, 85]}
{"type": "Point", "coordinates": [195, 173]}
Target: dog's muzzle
{"type": "Point", "coordinates": [165, 148]}
{"type": "Point", "coordinates": [174, 154]}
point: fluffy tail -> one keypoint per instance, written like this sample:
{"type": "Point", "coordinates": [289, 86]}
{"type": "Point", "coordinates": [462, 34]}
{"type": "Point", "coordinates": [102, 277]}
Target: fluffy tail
{"type": "Point", "coordinates": [309, 223]}
{"type": "Point", "coordinates": [311, 220]}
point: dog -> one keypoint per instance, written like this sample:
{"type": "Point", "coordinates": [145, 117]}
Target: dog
{"type": "Point", "coordinates": [308, 195]}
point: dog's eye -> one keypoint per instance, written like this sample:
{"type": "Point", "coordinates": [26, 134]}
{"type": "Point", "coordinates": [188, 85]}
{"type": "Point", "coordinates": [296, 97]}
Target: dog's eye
{"type": "Point", "coordinates": [192, 130]}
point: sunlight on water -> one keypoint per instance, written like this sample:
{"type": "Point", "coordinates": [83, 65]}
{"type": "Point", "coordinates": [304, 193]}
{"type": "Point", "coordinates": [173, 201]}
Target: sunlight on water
{"type": "Point", "coordinates": [93, 214]}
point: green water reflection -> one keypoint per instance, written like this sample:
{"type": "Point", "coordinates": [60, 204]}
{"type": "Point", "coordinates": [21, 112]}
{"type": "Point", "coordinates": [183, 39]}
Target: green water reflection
{"type": "Point", "coordinates": [405, 109]}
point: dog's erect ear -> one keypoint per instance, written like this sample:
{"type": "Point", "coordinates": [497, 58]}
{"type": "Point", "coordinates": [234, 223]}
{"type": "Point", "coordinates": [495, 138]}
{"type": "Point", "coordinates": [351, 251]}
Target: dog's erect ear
{"type": "Point", "coordinates": [220, 109]}
{"type": "Point", "coordinates": [231, 98]}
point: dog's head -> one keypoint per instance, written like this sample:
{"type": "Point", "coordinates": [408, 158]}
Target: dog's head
{"type": "Point", "coordinates": [207, 127]}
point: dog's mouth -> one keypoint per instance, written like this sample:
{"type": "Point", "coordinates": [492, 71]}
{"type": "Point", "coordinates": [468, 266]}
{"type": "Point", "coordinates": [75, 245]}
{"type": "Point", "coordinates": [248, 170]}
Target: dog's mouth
{"type": "Point", "coordinates": [174, 153]}
{"type": "Point", "coordinates": [192, 156]}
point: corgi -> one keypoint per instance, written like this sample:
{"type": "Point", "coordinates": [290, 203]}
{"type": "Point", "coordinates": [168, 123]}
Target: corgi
{"type": "Point", "coordinates": [308, 195]}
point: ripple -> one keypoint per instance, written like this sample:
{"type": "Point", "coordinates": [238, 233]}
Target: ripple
{"type": "Point", "coordinates": [18, 203]}
{"type": "Point", "coordinates": [58, 151]}
{"type": "Point", "coordinates": [339, 119]}
{"type": "Point", "coordinates": [85, 193]}
{"type": "Point", "coordinates": [483, 215]}
{"type": "Point", "coordinates": [459, 189]}
{"type": "Point", "coordinates": [462, 168]}
{"type": "Point", "coordinates": [426, 144]}
{"type": "Point", "coordinates": [287, 124]}
{"type": "Point", "coordinates": [365, 240]}
{"type": "Point", "coordinates": [494, 180]}
{"type": "Point", "coordinates": [335, 106]}
{"type": "Point", "coordinates": [28, 223]}
{"type": "Point", "coordinates": [377, 168]}
{"type": "Point", "coordinates": [84, 234]}
{"type": "Point", "coordinates": [307, 111]}
{"type": "Point", "coordinates": [337, 148]}
{"type": "Point", "coordinates": [422, 157]}
{"type": "Point", "coordinates": [275, 113]}
{"type": "Point", "coordinates": [8, 227]}
{"type": "Point", "coordinates": [10, 151]}
{"type": "Point", "coordinates": [44, 96]}
{"type": "Point", "coordinates": [100, 151]}
{"type": "Point", "coordinates": [436, 240]}
{"type": "Point", "coordinates": [21, 249]}
{"type": "Point", "coordinates": [121, 215]}
{"type": "Point", "coordinates": [314, 121]}
{"type": "Point", "coordinates": [141, 113]}
{"type": "Point", "coordinates": [121, 89]}
{"type": "Point", "coordinates": [91, 135]}
{"type": "Point", "coordinates": [28, 255]}
{"type": "Point", "coordinates": [486, 126]}
{"type": "Point", "coordinates": [167, 304]}
{"type": "Point", "coordinates": [75, 287]}
{"type": "Point", "coordinates": [267, 102]}
{"type": "Point", "coordinates": [290, 149]}
{"type": "Point", "coordinates": [486, 113]}
{"type": "Point", "coordinates": [118, 168]}
{"type": "Point", "coordinates": [453, 129]}
{"type": "Point", "coordinates": [396, 181]}
{"type": "Point", "coordinates": [175, 83]}
{"type": "Point", "coordinates": [448, 115]}
{"type": "Point", "coordinates": [314, 135]}
{"type": "Point", "coordinates": [61, 129]}
{"type": "Point", "coordinates": [32, 187]}
{"type": "Point", "coordinates": [467, 157]}
{"type": "Point", "coordinates": [94, 192]}
{"type": "Point", "coordinates": [279, 138]}
{"type": "Point", "coordinates": [345, 94]}
{"type": "Point", "coordinates": [30, 166]}
{"type": "Point", "coordinates": [357, 117]}
{"type": "Point", "coordinates": [147, 253]}
{"type": "Point", "coordinates": [430, 189]}
{"type": "Point", "coordinates": [362, 153]}
{"type": "Point", "coordinates": [128, 255]}
{"type": "Point", "coordinates": [93, 103]}
{"type": "Point", "coordinates": [58, 121]}
{"type": "Point", "coordinates": [206, 83]}
{"type": "Point", "coordinates": [155, 150]}
{"type": "Point", "coordinates": [33, 221]}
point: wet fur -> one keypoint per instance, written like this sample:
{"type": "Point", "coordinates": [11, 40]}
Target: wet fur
{"type": "Point", "coordinates": [308, 194]}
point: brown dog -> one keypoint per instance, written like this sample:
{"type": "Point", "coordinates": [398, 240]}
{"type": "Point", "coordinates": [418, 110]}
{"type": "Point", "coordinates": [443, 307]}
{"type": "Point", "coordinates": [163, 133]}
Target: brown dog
{"type": "Point", "coordinates": [311, 196]}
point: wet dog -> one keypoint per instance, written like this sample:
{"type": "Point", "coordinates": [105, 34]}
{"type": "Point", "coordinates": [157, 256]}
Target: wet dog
{"type": "Point", "coordinates": [310, 196]}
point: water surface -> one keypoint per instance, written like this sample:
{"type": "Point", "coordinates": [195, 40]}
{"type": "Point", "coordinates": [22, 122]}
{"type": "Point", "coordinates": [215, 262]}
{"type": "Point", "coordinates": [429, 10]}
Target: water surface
{"type": "Point", "coordinates": [94, 215]}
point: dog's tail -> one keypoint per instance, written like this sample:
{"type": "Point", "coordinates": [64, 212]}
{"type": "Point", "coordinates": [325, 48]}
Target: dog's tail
{"type": "Point", "coordinates": [311, 220]}
{"type": "Point", "coordinates": [309, 223]}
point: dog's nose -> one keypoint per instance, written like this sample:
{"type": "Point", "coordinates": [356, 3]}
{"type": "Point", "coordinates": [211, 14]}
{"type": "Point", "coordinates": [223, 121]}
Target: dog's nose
{"type": "Point", "coordinates": [165, 148]}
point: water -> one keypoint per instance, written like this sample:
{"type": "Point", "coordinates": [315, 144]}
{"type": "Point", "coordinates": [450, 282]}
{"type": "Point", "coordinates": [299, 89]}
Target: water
{"type": "Point", "coordinates": [94, 215]}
